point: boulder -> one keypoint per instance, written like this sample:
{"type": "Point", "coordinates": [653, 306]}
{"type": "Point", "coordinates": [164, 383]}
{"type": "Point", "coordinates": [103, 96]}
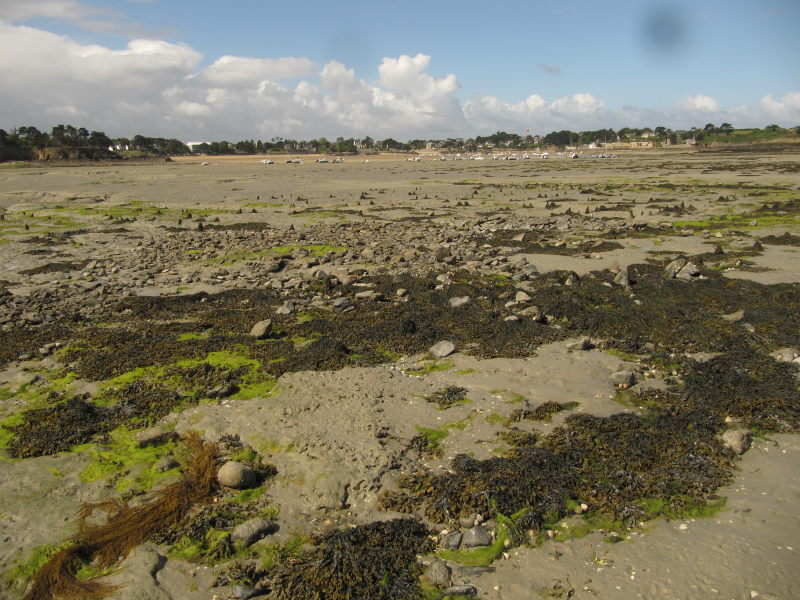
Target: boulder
{"type": "Point", "coordinates": [236, 475]}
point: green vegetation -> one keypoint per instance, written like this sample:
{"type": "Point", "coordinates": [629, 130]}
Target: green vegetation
{"type": "Point", "coordinates": [135, 469]}
{"type": "Point", "coordinates": [483, 557]}
{"type": "Point", "coordinates": [626, 356]}
{"type": "Point", "coordinates": [17, 577]}
{"type": "Point", "coordinates": [430, 367]}
{"type": "Point", "coordinates": [253, 382]}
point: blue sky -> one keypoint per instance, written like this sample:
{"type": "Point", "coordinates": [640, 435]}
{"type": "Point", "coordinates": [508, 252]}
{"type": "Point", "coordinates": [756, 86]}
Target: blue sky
{"type": "Point", "coordinates": [542, 64]}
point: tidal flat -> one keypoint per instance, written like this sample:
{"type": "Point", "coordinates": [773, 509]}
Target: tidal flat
{"type": "Point", "coordinates": [511, 379]}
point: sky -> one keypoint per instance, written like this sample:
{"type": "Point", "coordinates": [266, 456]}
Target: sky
{"type": "Point", "coordinates": [205, 70]}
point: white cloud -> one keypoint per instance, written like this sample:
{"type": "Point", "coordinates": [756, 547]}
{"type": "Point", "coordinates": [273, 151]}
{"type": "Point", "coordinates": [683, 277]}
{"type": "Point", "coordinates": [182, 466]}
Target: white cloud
{"type": "Point", "coordinates": [698, 103]}
{"type": "Point", "coordinates": [786, 110]}
{"type": "Point", "coordinates": [236, 71]}
{"type": "Point", "coordinates": [154, 87]}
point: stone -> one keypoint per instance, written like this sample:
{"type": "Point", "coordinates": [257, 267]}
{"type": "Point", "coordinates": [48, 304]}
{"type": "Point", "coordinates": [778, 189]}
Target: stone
{"type": "Point", "coordinates": [452, 541]}
{"type": "Point", "coordinates": [464, 572]}
{"type": "Point", "coordinates": [521, 296]}
{"type": "Point", "coordinates": [155, 436]}
{"type": "Point", "coordinates": [582, 344]}
{"type": "Point", "coordinates": [460, 590]}
{"type": "Point", "coordinates": [623, 277]}
{"type": "Point", "coordinates": [249, 532]}
{"type": "Point", "coordinates": [672, 269]}
{"type": "Point", "coordinates": [734, 316]}
{"type": "Point", "coordinates": [623, 378]}
{"type": "Point", "coordinates": [689, 271]}
{"type": "Point", "coordinates": [457, 301]}
{"type": "Point", "coordinates": [785, 354]}
{"type": "Point", "coordinates": [262, 329]}
{"type": "Point", "coordinates": [477, 536]}
{"type": "Point", "coordinates": [442, 349]}
{"type": "Point", "coordinates": [286, 309]}
{"type": "Point", "coordinates": [342, 304]}
{"type": "Point", "coordinates": [738, 440]}
{"type": "Point", "coordinates": [236, 475]}
{"type": "Point", "coordinates": [438, 573]}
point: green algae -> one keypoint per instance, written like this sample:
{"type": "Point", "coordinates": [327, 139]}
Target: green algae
{"type": "Point", "coordinates": [134, 469]}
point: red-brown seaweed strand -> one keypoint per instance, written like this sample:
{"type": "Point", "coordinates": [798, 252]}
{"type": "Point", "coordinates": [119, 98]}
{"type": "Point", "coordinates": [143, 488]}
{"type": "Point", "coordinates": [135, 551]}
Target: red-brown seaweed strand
{"type": "Point", "coordinates": [105, 545]}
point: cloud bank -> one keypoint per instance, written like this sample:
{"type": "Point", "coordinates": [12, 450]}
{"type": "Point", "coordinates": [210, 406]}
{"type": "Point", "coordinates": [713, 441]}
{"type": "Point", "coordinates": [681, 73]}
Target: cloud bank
{"type": "Point", "coordinates": [155, 87]}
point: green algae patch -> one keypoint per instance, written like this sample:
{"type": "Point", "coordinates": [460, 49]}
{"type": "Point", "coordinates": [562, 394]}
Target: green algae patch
{"type": "Point", "coordinates": [17, 577]}
{"type": "Point", "coordinates": [191, 335]}
{"type": "Point", "coordinates": [483, 557]}
{"type": "Point", "coordinates": [431, 367]}
{"type": "Point", "coordinates": [133, 468]}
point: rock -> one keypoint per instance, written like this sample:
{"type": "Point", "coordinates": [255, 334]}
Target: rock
{"type": "Point", "coordinates": [471, 572]}
{"type": "Point", "coordinates": [460, 590]}
{"type": "Point", "coordinates": [452, 541]}
{"type": "Point", "coordinates": [623, 378]}
{"type": "Point", "coordinates": [251, 531]}
{"type": "Point", "coordinates": [262, 329]}
{"type": "Point", "coordinates": [286, 309]}
{"type": "Point", "coordinates": [342, 304]}
{"type": "Point", "coordinates": [401, 292]}
{"type": "Point", "coordinates": [672, 269]}
{"type": "Point", "coordinates": [521, 296]}
{"type": "Point", "coordinates": [222, 391]}
{"type": "Point", "coordinates": [438, 573]}
{"type": "Point", "coordinates": [467, 522]}
{"type": "Point", "coordinates": [234, 474]}
{"type": "Point", "coordinates": [458, 301]}
{"type": "Point", "coordinates": [623, 277]}
{"type": "Point", "coordinates": [734, 316]}
{"type": "Point", "coordinates": [155, 436]}
{"type": "Point", "coordinates": [242, 592]}
{"type": "Point", "coordinates": [689, 271]}
{"type": "Point", "coordinates": [442, 349]}
{"type": "Point", "coordinates": [785, 354]}
{"type": "Point", "coordinates": [738, 440]}
{"type": "Point", "coordinates": [477, 536]}
{"type": "Point", "coordinates": [581, 344]}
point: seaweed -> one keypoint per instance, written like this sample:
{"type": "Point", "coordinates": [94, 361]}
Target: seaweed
{"type": "Point", "coordinates": [377, 560]}
{"type": "Point", "coordinates": [106, 544]}
{"type": "Point", "coordinates": [447, 397]}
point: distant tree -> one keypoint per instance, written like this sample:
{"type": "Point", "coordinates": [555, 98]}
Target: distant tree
{"type": "Point", "coordinates": [368, 142]}
{"type": "Point", "coordinates": [772, 127]}
{"type": "Point", "coordinates": [710, 128]}
{"type": "Point", "coordinates": [98, 140]}
{"type": "Point", "coordinates": [726, 128]}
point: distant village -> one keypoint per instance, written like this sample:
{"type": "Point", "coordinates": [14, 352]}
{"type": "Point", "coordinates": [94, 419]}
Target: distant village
{"type": "Point", "coordinates": [69, 142]}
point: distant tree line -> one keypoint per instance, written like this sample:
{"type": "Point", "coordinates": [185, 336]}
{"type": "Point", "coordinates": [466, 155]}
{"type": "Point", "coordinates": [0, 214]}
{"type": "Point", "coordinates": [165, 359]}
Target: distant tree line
{"type": "Point", "coordinates": [67, 141]}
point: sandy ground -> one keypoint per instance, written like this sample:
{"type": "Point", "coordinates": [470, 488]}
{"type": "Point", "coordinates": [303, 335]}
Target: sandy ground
{"type": "Point", "coordinates": [319, 428]}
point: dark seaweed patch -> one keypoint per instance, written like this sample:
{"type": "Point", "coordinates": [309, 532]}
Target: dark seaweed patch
{"type": "Point", "coordinates": [371, 561]}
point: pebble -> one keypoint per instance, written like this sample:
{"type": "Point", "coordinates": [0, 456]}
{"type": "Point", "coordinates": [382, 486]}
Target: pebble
{"type": "Point", "coordinates": [477, 536]}
{"type": "Point", "coordinates": [442, 349]}
{"type": "Point", "coordinates": [452, 541]}
{"type": "Point", "coordinates": [458, 301]}
{"type": "Point", "coordinates": [251, 531]}
{"type": "Point", "coordinates": [262, 329]}
{"type": "Point", "coordinates": [460, 590]}
{"type": "Point", "coordinates": [438, 573]}
{"type": "Point", "coordinates": [234, 474]}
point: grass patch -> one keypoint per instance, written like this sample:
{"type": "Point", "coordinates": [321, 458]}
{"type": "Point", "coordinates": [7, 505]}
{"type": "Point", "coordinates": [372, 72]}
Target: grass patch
{"type": "Point", "coordinates": [626, 356]}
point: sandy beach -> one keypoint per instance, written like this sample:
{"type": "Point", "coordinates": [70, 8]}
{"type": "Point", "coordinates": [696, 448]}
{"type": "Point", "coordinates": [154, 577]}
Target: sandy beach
{"type": "Point", "coordinates": [468, 343]}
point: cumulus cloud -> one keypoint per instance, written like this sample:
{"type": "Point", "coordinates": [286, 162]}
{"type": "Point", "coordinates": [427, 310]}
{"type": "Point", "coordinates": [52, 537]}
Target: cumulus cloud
{"type": "Point", "coordinates": [154, 87]}
{"type": "Point", "coordinates": [553, 70]}
{"type": "Point", "coordinates": [698, 103]}
{"type": "Point", "coordinates": [579, 111]}
{"type": "Point", "coordinates": [91, 17]}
